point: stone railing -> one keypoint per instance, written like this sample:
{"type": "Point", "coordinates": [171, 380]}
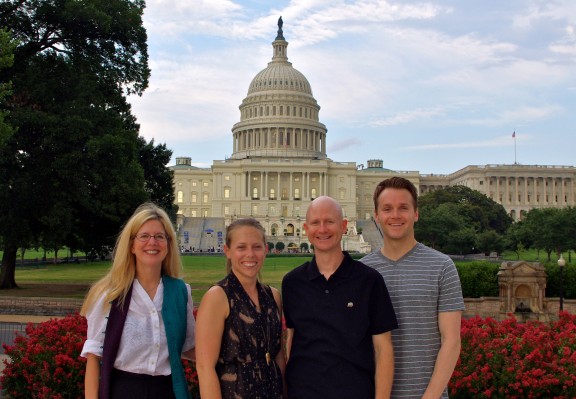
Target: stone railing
{"type": "Point", "coordinates": [39, 306]}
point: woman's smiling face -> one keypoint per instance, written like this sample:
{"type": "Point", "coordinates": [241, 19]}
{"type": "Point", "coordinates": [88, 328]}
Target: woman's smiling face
{"type": "Point", "coordinates": [153, 250]}
{"type": "Point", "coordinates": [246, 252]}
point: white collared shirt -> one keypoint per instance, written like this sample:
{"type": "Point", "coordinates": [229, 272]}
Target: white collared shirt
{"type": "Point", "coordinates": [143, 346]}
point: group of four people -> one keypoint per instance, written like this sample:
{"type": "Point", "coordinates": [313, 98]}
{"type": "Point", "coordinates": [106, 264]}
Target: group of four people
{"type": "Point", "coordinates": [387, 326]}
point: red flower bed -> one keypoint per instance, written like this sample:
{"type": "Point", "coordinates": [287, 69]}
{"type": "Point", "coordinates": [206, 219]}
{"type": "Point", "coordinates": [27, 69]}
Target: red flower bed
{"type": "Point", "coordinates": [499, 360]}
{"type": "Point", "coordinates": [46, 363]}
{"type": "Point", "coordinates": [516, 360]}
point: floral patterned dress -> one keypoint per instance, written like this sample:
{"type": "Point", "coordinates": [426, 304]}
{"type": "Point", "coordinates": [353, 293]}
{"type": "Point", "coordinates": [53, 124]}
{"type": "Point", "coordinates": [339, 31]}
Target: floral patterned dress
{"type": "Point", "coordinates": [250, 343]}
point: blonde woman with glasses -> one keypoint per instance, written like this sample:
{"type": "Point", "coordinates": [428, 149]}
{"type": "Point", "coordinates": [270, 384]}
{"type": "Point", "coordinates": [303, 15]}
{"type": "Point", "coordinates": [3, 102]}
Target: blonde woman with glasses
{"type": "Point", "coordinates": [140, 315]}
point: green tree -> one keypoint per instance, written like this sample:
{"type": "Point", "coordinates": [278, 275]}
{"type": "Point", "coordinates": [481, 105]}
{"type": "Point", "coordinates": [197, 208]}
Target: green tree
{"type": "Point", "coordinates": [158, 178]}
{"type": "Point", "coordinates": [479, 210]}
{"type": "Point", "coordinates": [280, 246]}
{"type": "Point", "coordinates": [451, 218]}
{"type": "Point", "coordinates": [73, 165]}
{"type": "Point", "coordinates": [490, 241]}
{"type": "Point", "coordinates": [515, 239]}
{"type": "Point", "coordinates": [436, 224]}
{"type": "Point", "coordinates": [7, 46]}
{"type": "Point", "coordinates": [549, 229]}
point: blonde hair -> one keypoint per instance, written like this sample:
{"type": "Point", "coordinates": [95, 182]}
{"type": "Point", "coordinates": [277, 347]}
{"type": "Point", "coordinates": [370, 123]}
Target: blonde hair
{"type": "Point", "coordinates": [247, 222]}
{"type": "Point", "coordinates": [116, 283]}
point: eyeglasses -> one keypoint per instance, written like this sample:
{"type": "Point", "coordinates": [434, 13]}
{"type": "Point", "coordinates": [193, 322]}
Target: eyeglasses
{"type": "Point", "coordinates": [144, 237]}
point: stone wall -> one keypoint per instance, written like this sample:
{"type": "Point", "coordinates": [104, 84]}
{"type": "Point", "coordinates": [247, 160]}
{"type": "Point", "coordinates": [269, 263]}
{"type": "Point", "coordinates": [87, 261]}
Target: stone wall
{"type": "Point", "coordinates": [39, 306]}
{"type": "Point", "coordinates": [490, 307]}
{"type": "Point", "coordinates": [483, 307]}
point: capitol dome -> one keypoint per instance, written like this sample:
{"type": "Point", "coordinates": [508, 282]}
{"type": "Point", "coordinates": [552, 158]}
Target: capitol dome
{"type": "Point", "coordinates": [280, 75]}
{"type": "Point", "coordinates": [279, 116]}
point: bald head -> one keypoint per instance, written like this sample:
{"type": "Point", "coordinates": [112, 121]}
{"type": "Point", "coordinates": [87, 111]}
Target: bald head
{"type": "Point", "coordinates": [326, 203]}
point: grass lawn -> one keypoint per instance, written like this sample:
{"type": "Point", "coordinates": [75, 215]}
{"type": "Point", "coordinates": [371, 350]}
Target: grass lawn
{"type": "Point", "coordinates": [73, 280]}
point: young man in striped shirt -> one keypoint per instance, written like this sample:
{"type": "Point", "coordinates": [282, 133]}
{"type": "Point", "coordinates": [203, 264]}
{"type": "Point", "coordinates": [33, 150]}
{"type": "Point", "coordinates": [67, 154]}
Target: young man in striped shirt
{"type": "Point", "coordinates": [426, 294]}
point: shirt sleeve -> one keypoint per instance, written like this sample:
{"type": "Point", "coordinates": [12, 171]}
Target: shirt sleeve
{"type": "Point", "coordinates": [97, 320]}
{"type": "Point", "coordinates": [286, 302]}
{"type": "Point", "coordinates": [190, 341]}
{"type": "Point", "coordinates": [450, 297]}
{"type": "Point", "coordinates": [383, 317]}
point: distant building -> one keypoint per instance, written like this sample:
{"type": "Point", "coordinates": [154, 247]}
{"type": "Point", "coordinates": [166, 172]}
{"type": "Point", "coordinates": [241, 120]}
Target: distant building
{"type": "Point", "coordinates": [279, 164]}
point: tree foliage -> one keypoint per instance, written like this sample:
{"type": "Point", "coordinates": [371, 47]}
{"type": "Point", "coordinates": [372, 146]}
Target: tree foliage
{"type": "Point", "coordinates": [7, 46]}
{"type": "Point", "coordinates": [75, 167]}
{"type": "Point", "coordinates": [548, 229]}
{"type": "Point", "coordinates": [454, 219]}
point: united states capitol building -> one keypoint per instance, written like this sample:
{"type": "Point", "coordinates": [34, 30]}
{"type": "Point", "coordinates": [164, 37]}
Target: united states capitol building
{"type": "Point", "coordinates": [279, 164]}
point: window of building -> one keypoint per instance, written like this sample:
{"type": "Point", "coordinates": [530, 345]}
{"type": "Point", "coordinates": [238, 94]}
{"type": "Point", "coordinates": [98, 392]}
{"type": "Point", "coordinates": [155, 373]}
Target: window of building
{"type": "Point", "coordinates": [296, 193]}
{"type": "Point", "coordinates": [205, 197]}
{"type": "Point", "coordinates": [255, 193]}
{"type": "Point", "coordinates": [193, 213]}
{"type": "Point", "coordinates": [194, 184]}
{"type": "Point", "coordinates": [254, 210]}
{"type": "Point", "coordinates": [313, 193]}
{"type": "Point", "coordinates": [180, 197]}
{"type": "Point", "coordinates": [227, 178]}
{"type": "Point", "coordinates": [194, 198]}
{"type": "Point", "coordinates": [205, 184]}
{"type": "Point", "coordinates": [272, 193]}
{"type": "Point", "coordinates": [226, 210]}
{"type": "Point", "coordinates": [226, 192]}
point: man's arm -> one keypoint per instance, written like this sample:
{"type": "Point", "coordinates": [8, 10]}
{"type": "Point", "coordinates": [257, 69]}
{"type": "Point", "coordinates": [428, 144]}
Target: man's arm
{"type": "Point", "coordinates": [289, 336]}
{"type": "Point", "coordinates": [449, 325]}
{"type": "Point", "coordinates": [384, 353]}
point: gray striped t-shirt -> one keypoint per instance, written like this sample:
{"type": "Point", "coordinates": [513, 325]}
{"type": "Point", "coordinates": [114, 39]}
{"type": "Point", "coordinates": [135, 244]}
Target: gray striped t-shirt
{"type": "Point", "coordinates": [421, 283]}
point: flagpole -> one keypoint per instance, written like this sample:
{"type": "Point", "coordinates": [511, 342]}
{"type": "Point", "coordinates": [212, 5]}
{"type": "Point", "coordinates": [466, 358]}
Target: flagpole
{"type": "Point", "coordinates": [514, 137]}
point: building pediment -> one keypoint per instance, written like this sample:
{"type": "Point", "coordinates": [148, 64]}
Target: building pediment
{"type": "Point", "coordinates": [521, 268]}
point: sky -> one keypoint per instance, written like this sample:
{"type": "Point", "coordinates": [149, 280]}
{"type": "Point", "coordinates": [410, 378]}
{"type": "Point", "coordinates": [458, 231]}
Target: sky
{"type": "Point", "coordinates": [427, 86]}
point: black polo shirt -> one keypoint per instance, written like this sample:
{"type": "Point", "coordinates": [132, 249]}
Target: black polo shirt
{"type": "Point", "coordinates": [332, 354]}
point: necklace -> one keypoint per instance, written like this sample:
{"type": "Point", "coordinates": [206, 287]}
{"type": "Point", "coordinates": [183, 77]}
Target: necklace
{"type": "Point", "coordinates": [266, 335]}
{"type": "Point", "coordinates": [264, 319]}
{"type": "Point", "coordinates": [267, 342]}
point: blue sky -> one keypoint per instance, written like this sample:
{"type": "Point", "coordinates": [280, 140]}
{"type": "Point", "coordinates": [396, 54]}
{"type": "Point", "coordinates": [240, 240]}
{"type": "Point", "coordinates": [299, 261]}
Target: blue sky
{"type": "Point", "coordinates": [428, 86]}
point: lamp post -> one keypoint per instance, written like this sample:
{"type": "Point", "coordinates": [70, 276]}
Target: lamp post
{"type": "Point", "coordinates": [561, 264]}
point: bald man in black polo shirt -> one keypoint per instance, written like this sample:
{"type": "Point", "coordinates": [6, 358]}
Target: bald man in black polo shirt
{"type": "Point", "coordinates": [339, 317]}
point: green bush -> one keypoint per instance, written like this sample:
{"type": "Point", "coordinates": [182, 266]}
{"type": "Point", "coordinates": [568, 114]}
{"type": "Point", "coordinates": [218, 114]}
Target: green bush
{"type": "Point", "coordinates": [478, 279]}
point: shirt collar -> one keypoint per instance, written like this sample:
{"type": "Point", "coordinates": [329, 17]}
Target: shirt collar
{"type": "Point", "coordinates": [343, 271]}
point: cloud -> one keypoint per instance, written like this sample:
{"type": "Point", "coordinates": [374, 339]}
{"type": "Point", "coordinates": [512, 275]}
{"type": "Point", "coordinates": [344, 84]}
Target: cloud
{"type": "Point", "coordinates": [496, 142]}
{"type": "Point", "coordinates": [407, 116]}
{"type": "Point", "coordinates": [344, 145]}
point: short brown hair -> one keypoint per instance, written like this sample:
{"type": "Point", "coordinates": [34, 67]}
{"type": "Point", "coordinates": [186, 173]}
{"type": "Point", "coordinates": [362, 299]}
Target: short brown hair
{"type": "Point", "coordinates": [398, 183]}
